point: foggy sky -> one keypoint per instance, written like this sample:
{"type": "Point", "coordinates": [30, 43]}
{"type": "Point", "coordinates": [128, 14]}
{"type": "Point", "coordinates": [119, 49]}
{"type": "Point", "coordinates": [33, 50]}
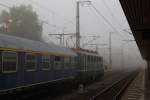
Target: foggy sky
{"type": "Point", "coordinates": [62, 14]}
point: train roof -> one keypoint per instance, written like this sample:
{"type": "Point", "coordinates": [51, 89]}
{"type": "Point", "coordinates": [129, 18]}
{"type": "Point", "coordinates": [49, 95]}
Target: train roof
{"type": "Point", "coordinates": [87, 52]}
{"type": "Point", "coordinates": [8, 41]}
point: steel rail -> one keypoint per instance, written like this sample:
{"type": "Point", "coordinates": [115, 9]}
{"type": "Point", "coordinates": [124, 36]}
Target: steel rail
{"type": "Point", "coordinates": [125, 82]}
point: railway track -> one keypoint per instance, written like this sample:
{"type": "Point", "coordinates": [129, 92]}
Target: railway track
{"type": "Point", "coordinates": [107, 89]}
{"type": "Point", "coordinates": [111, 85]}
{"type": "Point", "coordinates": [135, 91]}
{"type": "Point", "coordinates": [114, 91]}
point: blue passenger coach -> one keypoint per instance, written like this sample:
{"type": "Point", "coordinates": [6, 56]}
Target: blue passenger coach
{"type": "Point", "coordinates": [89, 65]}
{"type": "Point", "coordinates": [25, 63]}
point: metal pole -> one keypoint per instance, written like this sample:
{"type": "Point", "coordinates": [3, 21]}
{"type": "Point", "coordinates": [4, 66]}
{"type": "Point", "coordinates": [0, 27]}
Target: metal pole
{"type": "Point", "coordinates": [78, 21]}
{"type": "Point", "coordinates": [110, 56]}
{"type": "Point", "coordinates": [63, 38]}
{"type": "Point", "coordinates": [78, 25]}
{"type": "Point", "coordinates": [3, 5]}
{"type": "Point", "coordinates": [96, 48]}
{"type": "Point", "coordinates": [122, 53]}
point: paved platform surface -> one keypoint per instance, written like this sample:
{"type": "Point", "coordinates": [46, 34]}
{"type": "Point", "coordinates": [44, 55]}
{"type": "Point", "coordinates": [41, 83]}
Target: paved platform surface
{"type": "Point", "coordinates": [142, 98]}
{"type": "Point", "coordinates": [136, 89]}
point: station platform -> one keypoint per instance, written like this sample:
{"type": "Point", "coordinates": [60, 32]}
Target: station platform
{"type": "Point", "coordinates": [135, 91]}
{"type": "Point", "coordinates": [142, 98]}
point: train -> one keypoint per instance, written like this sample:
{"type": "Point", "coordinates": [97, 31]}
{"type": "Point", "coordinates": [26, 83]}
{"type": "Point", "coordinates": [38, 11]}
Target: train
{"type": "Point", "coordinates": [26, 63]}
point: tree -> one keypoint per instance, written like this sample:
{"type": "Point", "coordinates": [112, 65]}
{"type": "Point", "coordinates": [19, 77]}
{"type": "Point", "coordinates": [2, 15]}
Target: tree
{"type": "Point", "coordinates": [21, 21]}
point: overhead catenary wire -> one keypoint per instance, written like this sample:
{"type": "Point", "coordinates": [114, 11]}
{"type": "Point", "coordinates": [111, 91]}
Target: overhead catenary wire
{"type": "Point", "coordinates": [96, 15]}
{"type": "Point", "coordinates": [113, 16]}
{"type": "Point", "coordinates": [52, 12]}
{"type": "Point", "coordinates": [107, 21]}
{"type": "Point", "coordinates": [53, 24]}
{"type": "Point", "coordinates": [66, 20]}
{"type": "Point", "coordinates": [3, 5]}
{"type": "Point", "coordinates": [109, 9]}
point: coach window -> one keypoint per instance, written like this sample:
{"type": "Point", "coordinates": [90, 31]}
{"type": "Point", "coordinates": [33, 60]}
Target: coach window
{"type": "Point", "coordinates": [84, 62]}
{"type": "Point", "coordinates": [45, 62]}
{"type": "Point", "coordinates": [73, 62]}
{"type": "Point", "coordinates": [99, 59]}
{"type": "Point", "coordinates": [57, 63]}
{"type": "Point", "coordinates": [67, 62]}
{"type": "Point", "coordinates": [92, 59]}
{"type": "Point", "coordinates": [30, 62]}
{"type": "Point", "coordinates": [9, 62]}
{"type": "Point", "coordinates": [96, 61]}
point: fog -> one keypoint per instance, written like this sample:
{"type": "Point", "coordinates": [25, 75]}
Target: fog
{"type": "Point", "coordinates": [60, 16]}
